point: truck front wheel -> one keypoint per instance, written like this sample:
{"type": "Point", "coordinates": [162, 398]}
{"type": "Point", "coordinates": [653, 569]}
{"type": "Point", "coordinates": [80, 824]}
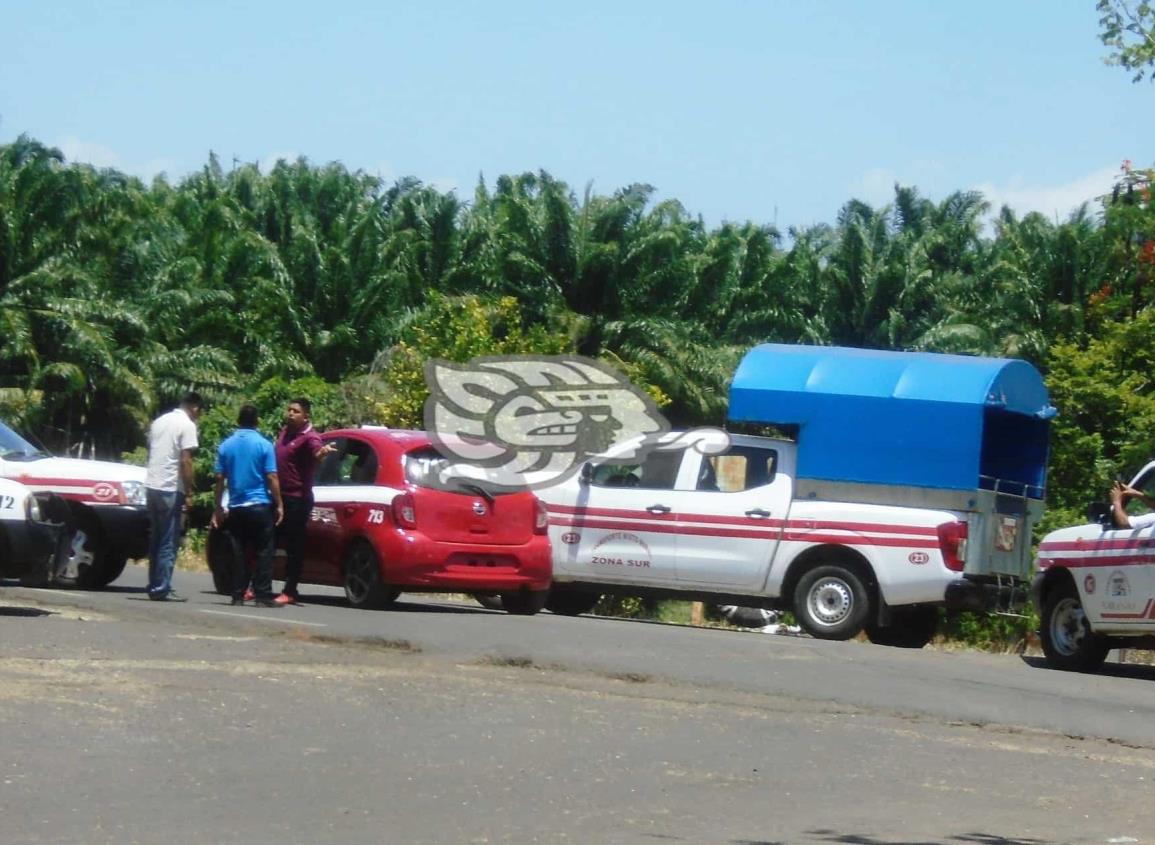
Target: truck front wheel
{"type": "Point", "coordinates": [831, 602]}
{"type": "Point", "coordinates": [1068, 642]}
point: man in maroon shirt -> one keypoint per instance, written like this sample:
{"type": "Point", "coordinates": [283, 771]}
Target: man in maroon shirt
{"type": "Point", "coordinates": [298, 448]}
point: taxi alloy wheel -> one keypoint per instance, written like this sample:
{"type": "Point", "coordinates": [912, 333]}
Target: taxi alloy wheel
{"type": "Point", "coordinates": [363, 585]}
{"type": "Point", "coordinates": [1068, 642]}
{"type": "Point", "coordinates": [831, 603]}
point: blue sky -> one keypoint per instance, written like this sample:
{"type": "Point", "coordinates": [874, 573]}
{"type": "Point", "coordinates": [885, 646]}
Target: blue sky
{"type": "Point", "coordinates": [774, 111]}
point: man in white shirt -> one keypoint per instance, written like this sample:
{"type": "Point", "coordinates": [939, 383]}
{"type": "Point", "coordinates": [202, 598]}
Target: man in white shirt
{"type": "Point", "coordinates": [172, 438]}
{"type": "Point", "coordinates": [1121, 494]}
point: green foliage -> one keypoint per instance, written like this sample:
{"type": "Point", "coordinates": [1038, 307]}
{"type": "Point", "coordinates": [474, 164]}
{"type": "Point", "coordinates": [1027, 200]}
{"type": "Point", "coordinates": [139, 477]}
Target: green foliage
{"type": "Point", "coordinates": [454, 329]}
{"type": "Point", "coordinates": [990, 632]}
{"type": "Point", "coordinates": [1106, 425]}
{"type": "Point", "coordinates": [1128, 29]}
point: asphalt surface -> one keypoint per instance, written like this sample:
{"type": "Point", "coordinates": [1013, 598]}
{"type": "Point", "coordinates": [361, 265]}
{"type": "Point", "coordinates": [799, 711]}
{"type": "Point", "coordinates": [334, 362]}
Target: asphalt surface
{"type": "Point", "coordinates": [126, 720]}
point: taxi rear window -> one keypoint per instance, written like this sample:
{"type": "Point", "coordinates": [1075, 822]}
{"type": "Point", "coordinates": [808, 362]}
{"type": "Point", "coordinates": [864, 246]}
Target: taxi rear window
{"type": "Point", "coordinates": [423, 468]}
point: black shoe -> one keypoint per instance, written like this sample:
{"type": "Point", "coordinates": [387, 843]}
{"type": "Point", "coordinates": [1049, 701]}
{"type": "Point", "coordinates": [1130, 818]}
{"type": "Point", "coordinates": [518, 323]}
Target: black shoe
{"type": "Point", "coordinates": [237, 600]}
{"type": "Point", "coordinates": [169, 596]}
{"type": "Point", "coordinates": [266, 602]}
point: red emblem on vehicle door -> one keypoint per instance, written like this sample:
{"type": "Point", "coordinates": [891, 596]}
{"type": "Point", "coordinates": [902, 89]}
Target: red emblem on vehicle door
{"type": "Point", "coordinates": [103, 491]}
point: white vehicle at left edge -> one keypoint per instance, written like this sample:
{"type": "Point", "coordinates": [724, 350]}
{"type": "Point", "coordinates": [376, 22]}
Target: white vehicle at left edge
{"type": "Point", "coordinates": [32, 527]}
{"type": "Point", "coordinates": [107, 514]}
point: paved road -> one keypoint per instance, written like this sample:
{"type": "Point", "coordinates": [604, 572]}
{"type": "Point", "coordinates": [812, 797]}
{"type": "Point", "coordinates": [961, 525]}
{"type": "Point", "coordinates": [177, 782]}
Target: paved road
{"type": "Point", "coordinates": [128, 721]}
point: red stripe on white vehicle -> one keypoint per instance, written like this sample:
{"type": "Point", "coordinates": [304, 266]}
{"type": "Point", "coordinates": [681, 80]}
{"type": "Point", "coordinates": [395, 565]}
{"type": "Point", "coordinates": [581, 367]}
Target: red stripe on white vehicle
{"type": "Point", "coordinates": [712, 519]}
{"type": "Point", "coordinates": [752, 533]}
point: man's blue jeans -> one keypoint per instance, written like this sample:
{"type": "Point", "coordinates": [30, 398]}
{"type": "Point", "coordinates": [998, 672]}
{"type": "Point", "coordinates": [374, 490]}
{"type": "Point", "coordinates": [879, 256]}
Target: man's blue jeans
{"type": "Point", "coordinates": [164, 511]}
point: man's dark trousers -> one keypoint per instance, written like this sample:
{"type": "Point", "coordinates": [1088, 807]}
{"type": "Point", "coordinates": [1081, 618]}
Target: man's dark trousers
{"type": "Point", "coordinates": [293, 525]}
{"type": "Point", "coordinates": [252, 529]}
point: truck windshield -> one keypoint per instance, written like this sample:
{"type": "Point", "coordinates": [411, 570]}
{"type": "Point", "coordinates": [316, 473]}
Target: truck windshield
{"type": "Point", "coordinates": [13, 447]}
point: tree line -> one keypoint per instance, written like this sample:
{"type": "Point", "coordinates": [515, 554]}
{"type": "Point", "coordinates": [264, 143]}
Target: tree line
{"type": "Point", "coordinates": [116, 295]}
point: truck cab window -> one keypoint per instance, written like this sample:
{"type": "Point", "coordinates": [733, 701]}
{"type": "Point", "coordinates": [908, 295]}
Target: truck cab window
{"type": "Point", "coordinates": [658, 471]}
{"type": "Point", "coordinates": [737, 469]}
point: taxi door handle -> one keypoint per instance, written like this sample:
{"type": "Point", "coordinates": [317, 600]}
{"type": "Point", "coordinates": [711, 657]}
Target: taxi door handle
{"type": "Point", "coordinates": [658, 509]}
{"type": "Point", "coordinates": [757, 512]}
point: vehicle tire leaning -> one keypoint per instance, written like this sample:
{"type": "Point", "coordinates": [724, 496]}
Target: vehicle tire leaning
{"type": "Point", "coordinates": [223, 555]}
{"type": "Point", "coordinates": [364, 587]}
{"type": "Point", "coordinates": [746, 617]}
{"type": "Point", "coordinates": [490, 601]}
{"type": "Point", "coordinates": [524, 602]}
{"type": "Point", "coordinates": [831, 602]}
{"type": "Point", "coordinates": [910, 627]}
{"type": "Point", "coordinates": [567, 601]}
{"type": "Point", "coordinates": [1068, 641]}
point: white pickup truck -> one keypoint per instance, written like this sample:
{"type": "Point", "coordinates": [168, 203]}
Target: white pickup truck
{"type": "Point", "coordinates": [107, 520]}
{"type": "Point", "coordinates": [1095, 587]}
{"type": "Point", "coordinates": [913, 483]}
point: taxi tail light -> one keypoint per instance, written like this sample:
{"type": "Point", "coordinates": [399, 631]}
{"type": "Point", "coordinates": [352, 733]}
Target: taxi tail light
{"type": "Point", "coordinates": [541, 518]}
{"type": "Point", "coordinates": [952, 542]}
{"type": "Point", "coordinates": [404, 511]}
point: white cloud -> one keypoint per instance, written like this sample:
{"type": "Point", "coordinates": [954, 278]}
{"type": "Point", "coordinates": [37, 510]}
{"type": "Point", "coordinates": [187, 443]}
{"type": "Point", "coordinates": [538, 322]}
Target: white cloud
{"type": "Point", "coordinates": [876, 187]}
{"type": "Point", "coordinates": [98, 155]}
{"type": "Point", "coordinates": [266, 164]}
{"type": "Point", "coordinates": [444, 184]}
{"type": "Point", "coordinates": [1054, 201]}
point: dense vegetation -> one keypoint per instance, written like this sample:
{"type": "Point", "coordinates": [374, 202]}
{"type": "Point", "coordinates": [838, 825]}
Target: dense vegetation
{"type": "Point", "coordinates": [115, 296]}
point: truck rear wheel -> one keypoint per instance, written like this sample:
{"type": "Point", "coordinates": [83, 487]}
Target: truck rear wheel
{"type": "Point", "coordinates": [831, 602]}
{"type": "Point", "coordinates": [910, 627]}
{"type": "Point", "coordinates": [1068, 642]}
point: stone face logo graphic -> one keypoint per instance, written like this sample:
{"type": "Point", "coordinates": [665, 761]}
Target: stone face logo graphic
{"type": "Point", "coordinates": [531, 421]}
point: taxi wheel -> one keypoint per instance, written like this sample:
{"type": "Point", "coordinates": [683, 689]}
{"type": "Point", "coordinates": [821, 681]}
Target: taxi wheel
{"type": "Point", "coordinates": [524, 603]}
{"type": "Point", "coordinates": [910, 627]}
{"type": "Point", "coordinates": [831, 603]}
{"type": "Point", "coordinates": [1068, 642]}
{"type": "Point", "coordinates": [363, 585]}
{"type": "Point", "coordinates": [490, 601]}
{"type": "Point", "coordinates": [222, 552]}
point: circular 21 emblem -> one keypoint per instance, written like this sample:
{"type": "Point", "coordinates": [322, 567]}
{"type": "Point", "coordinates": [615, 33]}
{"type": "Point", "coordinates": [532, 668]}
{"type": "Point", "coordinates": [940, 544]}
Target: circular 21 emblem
{"type": "Point", "coordinates": [918, 558]}
{"type": "Point", "coordinates": [103, 491]}
{"type": "Point", "coordinates": [571, 538]}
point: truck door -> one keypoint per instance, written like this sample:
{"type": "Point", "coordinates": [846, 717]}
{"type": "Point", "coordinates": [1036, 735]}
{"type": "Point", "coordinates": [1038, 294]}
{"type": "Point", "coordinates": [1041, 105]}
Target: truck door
{"type": "Point", "coordinates": [730, 524]}
{"type": "Point", "coordinates": [617, 523]}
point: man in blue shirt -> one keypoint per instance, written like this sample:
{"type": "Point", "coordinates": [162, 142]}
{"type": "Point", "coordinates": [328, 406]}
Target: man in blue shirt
{"type": "Point", "coordinates": [247, 463]}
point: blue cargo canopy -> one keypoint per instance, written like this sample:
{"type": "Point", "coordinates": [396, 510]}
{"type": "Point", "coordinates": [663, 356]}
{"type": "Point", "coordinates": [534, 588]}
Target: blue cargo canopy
{"type": "Point", "coordinates": [904, 418]}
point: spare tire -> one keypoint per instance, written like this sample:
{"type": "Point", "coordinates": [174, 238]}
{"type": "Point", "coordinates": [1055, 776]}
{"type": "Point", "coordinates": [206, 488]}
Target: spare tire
{"type": "Point", "coordinates": [747, 617]}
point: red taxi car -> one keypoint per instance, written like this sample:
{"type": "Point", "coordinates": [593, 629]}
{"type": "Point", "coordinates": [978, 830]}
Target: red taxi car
{"type": "Point", "coordinates": [383, 524]}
